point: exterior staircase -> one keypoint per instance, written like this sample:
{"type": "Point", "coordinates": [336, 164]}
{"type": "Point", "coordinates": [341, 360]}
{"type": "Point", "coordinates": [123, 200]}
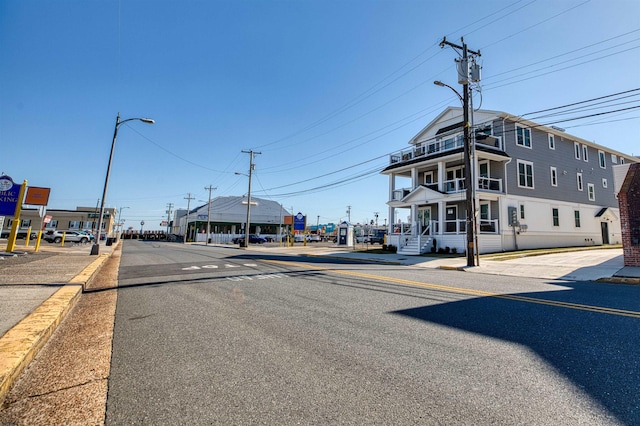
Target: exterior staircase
{"type": "Point", "coordinates": [416, 246]}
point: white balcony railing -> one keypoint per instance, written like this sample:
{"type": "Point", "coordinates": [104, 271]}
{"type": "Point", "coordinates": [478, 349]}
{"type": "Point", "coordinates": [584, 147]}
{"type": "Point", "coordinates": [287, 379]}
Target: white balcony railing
{"type": "Point", "coordinates": [454, 185]}
{"type": "Point", "coordinates": [426, 149]}
{"type": "Point", "coordinates": [490, 184]}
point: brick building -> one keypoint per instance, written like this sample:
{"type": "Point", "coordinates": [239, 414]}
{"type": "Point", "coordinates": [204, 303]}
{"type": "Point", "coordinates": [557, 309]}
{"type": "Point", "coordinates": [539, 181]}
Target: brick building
{"type": "Point", "coordinates": [629, 204]}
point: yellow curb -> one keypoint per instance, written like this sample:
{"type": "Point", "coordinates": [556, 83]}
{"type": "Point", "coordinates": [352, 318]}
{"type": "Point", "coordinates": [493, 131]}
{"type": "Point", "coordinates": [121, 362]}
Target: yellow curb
{"type": "Point", "coordinates": [22, 343]}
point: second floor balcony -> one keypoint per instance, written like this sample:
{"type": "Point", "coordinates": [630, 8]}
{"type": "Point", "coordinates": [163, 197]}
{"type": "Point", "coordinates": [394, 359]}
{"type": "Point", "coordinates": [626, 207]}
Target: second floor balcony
{"type": "Point", "coordinates": [484, 184]}
{"type": "Point", "coordinates": [434, 148]}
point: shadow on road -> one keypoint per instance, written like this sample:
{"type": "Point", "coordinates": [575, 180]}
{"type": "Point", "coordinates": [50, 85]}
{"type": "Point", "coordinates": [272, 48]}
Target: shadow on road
{"type": "Point", "coordinates": [596, 351]}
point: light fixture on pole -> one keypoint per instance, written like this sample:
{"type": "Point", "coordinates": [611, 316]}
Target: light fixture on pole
{"type": "Point", "coordinates": [95, 249]}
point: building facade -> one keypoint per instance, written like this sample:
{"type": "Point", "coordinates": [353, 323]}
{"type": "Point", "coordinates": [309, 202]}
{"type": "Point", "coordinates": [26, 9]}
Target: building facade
{"type": "Point", "coordinates": [80, 219]}
{"type": "Point", "coordinates": [227, 217]}
{"type": "Point", "coordinates": [533, 187]}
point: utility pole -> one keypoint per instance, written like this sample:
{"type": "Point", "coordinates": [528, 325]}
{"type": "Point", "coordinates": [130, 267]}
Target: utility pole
{"type": "Point", "coordinates": [349, 213]}
{"type": "Point", "coordinates": [251, 167]}
{"type": "Point", "coordinates": [210, 188]}
{"type": "Point", "coordinates": [463, 78]}
{"type": "Point", "coordinates": [169, 206]}
{"type": "Point", "coordinates": [186, 227]}
{"type": "Point", "coordinates": [376, 215]}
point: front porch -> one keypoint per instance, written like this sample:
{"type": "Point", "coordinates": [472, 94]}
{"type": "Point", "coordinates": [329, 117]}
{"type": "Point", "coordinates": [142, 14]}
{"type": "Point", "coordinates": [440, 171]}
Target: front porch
{"type": "Point", "coordinates": [442, 225]}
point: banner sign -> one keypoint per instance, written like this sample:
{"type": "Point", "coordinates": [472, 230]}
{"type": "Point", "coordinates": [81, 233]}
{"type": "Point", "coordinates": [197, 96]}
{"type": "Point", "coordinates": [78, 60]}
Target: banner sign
{"type": "Point", "coordinates": [9, 193]}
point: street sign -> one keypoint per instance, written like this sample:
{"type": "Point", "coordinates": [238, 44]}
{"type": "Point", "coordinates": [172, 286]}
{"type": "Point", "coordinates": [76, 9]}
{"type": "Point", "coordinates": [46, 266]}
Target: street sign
{"type": "Point", "coordinates": [9, 194]}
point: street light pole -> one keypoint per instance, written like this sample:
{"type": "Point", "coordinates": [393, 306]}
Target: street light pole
{"type": "Point", "coordinates": [210, 188]}
{"type": "Point", "coordinates": [95, 249]}
{"type": "Point", "coordinates": [120, 220]}
{"type": "Point", "coordinates": [248, 225]}
{"type": "Point", "coordinates": [186, 227]}
{"type": "Point", "coordinates": [463, 78]}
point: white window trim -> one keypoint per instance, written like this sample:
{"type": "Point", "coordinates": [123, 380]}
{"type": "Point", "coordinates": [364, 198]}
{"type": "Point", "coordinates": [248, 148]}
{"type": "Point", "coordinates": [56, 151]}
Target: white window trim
{"type": "Point", "coordinates": [614, 159]}
{"type": "Point", "coordinates": [554, 176]}
{"type": "Point", "coordinates": [602, 159]}
{"type": "Point", "coordinates": [576, 150]}
{"type": "Point", "coordinates": [552, 141]}
{"type": "Point", "coordinates": [425, 178]}
{"type": "Point", "coordinates": [579, 219]}
{"type": "Point", "coordinates": [533, 180]}
{"type": "Point", "coordinates": [591, 191]}
{"type": "Point", "coordinates": [552, 209]}
{"type": "Point", "coordinates": [488, 210]}
{"type": "Point", "coordinates": [527, 129]}
{"type": "Point", "coordinates": [585, 153]}
{"type": "Point", "coordinates": [579, 182]}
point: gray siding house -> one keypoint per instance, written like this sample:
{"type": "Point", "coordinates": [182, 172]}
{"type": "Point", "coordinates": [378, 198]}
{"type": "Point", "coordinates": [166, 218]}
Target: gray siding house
{"type": "Point", "coordinates": [534, 186]}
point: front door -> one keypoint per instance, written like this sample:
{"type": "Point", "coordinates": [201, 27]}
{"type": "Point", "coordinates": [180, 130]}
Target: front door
{"type": "Point", "coordinates": [604, 227]}
{"type": "Point", "coordinates": [424, 218]}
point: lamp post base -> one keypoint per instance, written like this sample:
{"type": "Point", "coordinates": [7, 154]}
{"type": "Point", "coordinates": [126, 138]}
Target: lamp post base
{"type": "Point", "coordinates": [95, 249]}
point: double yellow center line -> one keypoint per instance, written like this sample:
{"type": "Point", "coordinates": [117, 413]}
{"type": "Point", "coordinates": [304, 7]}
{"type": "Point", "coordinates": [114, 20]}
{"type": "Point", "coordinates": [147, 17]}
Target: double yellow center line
{"type": "Point", "coordinates": [472, 292]}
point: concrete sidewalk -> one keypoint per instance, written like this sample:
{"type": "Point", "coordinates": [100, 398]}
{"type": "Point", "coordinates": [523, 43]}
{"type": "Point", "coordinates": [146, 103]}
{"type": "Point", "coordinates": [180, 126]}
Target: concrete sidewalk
{"type": "Point", "coordinates": [595, 264]}
{"type": "Point", "coordinates": [37, 290]}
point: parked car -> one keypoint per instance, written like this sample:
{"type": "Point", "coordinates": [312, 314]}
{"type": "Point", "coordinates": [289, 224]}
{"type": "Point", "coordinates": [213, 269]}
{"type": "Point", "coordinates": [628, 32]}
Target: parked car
{"type": "Point", "coordinates": [88, 234]}
{"type": "Point", "coordinates": [313, 238]}
{"type": "Point", "coordinates": [21, 235]}
{"type": "Point", "coordinates": [253, 239]}
{"type": "Point", "coordinates": [377, 238]}
{"type": "Point", "coordinates": [69, 236]}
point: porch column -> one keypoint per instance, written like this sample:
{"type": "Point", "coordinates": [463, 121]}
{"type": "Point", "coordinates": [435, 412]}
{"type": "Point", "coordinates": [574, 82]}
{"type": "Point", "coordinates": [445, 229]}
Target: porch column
{"type": "Point", "coordinates": [392, 219]}
{"type": "Point", "coordinates": [441, 175]}
{"type": "Point", "coordinates": [392, 187]}
{"type": "Point", "coordinates": [414, 220]}
{"type": "Point", "coordinates": [414, 178]}
{"type": "Point", "coordinates": [441, 217]}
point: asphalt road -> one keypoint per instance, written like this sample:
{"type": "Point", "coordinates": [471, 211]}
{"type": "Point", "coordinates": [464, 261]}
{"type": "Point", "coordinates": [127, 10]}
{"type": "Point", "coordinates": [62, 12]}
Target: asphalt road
{"type": "Point", "coordinates": [207, 335]}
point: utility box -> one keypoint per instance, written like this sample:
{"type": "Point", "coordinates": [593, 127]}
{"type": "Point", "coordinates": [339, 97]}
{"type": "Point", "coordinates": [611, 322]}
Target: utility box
{"type": "Point", "coordinates": [345, 234]}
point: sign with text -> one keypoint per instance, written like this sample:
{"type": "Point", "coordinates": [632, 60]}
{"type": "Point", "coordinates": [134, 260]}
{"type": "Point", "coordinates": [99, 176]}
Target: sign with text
{"type": "Point", "coordinates": [37, 196]}
{"type": "Point", "coordinates": [299, 222]}
{"type": "Point", "coordinates": [9, 194]}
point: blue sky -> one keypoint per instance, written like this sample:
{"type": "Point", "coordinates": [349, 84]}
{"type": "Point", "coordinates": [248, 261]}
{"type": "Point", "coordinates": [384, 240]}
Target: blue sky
{"type": "Point", "coordinates": [325, 90]}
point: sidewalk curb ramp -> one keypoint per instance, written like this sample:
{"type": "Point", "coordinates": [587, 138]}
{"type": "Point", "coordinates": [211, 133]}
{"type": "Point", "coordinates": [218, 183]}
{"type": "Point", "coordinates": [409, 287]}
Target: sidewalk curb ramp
{"type": "Point", "coordinates": [22, 343]}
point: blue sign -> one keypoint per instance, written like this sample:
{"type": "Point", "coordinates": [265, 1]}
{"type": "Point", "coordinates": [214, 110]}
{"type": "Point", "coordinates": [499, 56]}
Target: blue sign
{"type": "Point", "coordinates": [9, 193]}
{"type": "Point", "coordinates": [299, 222]}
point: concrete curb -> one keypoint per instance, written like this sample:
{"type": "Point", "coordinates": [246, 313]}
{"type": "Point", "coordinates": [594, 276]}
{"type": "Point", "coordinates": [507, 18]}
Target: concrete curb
{"type": "Point", "coordinates": [20, 345]}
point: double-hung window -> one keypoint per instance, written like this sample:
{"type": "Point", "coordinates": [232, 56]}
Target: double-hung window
{"type": "Point", "coordinates": [556, 217]}
{"type": "Point", "coordinates": [591, 189]}
{"type": "Point", "coordinates": [523, 136]}
{"type": "Point", "coordinates": [579, 181]}
{"type": "Point", "coordinates": [525, 174]}
{"type": "Point", "coordinates": [602, 160]}
{"type": "Point", "coordinates": [576, 215]}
